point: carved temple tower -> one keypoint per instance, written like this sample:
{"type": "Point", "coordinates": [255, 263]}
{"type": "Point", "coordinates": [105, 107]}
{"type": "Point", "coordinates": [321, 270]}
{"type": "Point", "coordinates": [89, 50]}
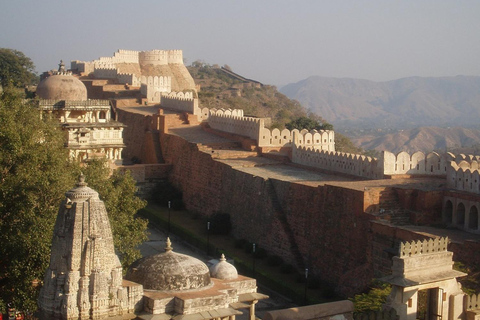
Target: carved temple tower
{"type": "Point", "coordinates": [84, 279]}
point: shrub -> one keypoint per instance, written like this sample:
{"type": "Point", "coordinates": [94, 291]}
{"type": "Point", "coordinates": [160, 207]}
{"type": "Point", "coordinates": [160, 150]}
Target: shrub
{"type": "Point", "coordinates": [274, 261]}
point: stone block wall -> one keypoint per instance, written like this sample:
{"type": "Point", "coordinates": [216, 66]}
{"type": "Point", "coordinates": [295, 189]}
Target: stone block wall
{"type": "Point", "coordinates": [331, 236]}
{"type": "Point", "coordinates": [141, 142]}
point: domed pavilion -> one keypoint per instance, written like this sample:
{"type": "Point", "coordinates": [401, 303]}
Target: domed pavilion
{"type": "Point", "coordinates": [179, 286]}
{"type": "Point", "coordinates": [91, 131]}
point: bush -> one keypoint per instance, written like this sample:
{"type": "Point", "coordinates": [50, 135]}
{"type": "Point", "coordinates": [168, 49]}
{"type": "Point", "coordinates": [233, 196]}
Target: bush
{"type": "Point", "coordinates": [220, 224]}
{"type": "Point", "coordinates": [274, 261]}
{"type": "Point", "coordinates": [373, 300]}
{"type": "Point", "coordinates": [287, 268]}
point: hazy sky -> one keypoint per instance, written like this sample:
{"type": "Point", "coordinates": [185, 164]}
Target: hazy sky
{"type": "Point", "coordinates": [272, 41]}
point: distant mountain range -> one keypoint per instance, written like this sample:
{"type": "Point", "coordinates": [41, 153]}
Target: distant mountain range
{"type": "Point", "coordinates": [426, 139]}
{"type": "Point", "coordinates": [409, 114]}
{"type": "Point", "coordinates": [399, 104]}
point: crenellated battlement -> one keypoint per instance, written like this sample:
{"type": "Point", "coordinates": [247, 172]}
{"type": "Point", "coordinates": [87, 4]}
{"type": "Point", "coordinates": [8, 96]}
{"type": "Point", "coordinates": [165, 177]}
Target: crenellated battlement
{"type": "Point", "coordinates": [464, 174]}
{"type": "Point", "coordinates": [160, 57]}
{"type": "Point", "coordinates": [472, 302]}
{"type": "Point", "coordinates": [418, 163]}
{"type": "Point", "coordinates": [351, 164]}
{"type": "Point", "coordinates": [414, 248]}
{"type": "Point", "coordinates": [319, 139]}
{"type": "Point", "coordinates": [233, 121]}
{"type": "Point", "coordinates": [180, 101]}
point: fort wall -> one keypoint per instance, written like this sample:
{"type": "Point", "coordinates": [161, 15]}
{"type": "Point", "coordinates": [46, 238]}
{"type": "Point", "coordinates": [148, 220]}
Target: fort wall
{"type": "Point", "coordinates": [351, 164]}
{"type": "Point", "coordinates": [180, 101]}
{"type": "Point", "coordinates": [233, 121]}
{"type": "Point", "coordinates": [278, 215]}
{"type": "Point", "coordinates": [140, 137]}
{"type": "Point", "coordinates": [464, 175]}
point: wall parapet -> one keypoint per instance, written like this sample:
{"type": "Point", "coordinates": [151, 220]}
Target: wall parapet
{"type": "Point", "coordinates": [418, 163]}
{"type": "Point", "coordinates": [181, 101]}
{"type": "Point", "coordinates": [472, 302]}
{"type": "Point", "coordinates": [233, 121]}
{"type": "Point", "coordinates": [463, 173]}
{"type": "Point", "coordinates": [414, 248]}
{"type": "Point", "coordinates": [318, 139]}
{"type": "Point", "coordinates": [351, 164]}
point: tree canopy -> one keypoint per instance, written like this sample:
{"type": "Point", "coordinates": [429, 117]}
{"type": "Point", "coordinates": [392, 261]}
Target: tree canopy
{"type": "Point", "coordinates": [35, 173]}
{"type": "Point", "coordinates": [309, 123]}
{"type": "Point", "coordinates": [16, 68]}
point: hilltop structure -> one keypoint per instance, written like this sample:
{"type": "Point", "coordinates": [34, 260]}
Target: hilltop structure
{"type": "Point", "coordinates": [89, 128]}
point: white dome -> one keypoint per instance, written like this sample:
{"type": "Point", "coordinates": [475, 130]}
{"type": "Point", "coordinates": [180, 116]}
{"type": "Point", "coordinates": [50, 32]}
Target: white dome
{"type": "Point", "coordinates": [223, 270]}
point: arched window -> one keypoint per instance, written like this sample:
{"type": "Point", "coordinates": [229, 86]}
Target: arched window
{"type": "Point", "coordinates": [448, 212]}
{"type": "Point", "coordinates": [102, 115]}
{"type": "Point", "coordinates": [473, 218]}
{"type": "Point", "coordinates": [460, 214]}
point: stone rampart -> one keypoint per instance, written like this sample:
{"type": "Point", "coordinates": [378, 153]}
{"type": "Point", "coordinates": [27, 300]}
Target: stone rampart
{"type": "Point", "coordinates": [416, 164]}
{"type": "Point", "coordinates": [233, 121]}
{"type": "Point", "coordinates": [105, 72]}
{"type": "Point", "coordinates": [181, 101]}
{"type": "Point", "coordinates": [126, 56]}
{"type": "Point", "coordinates": [351, 164]}
{"type": "Point", "coordinates": [322, 140]}
{"type": "Point", "coordinates": [154, 87]}
{"type": "Point", "coordinates": [463, 173]}
{"type": "Point", "coordinates": [160, 57]}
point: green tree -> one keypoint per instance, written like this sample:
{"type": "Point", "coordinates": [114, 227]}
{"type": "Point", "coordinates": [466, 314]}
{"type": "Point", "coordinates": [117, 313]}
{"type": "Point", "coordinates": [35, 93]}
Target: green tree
{"type": "Point", "coordinates": [16, 68]}
{"type": "Point", "coordinates": [118, 192]}
{"type": "Point", "coordinates": [35, 173]}
{"type": "Point", "coordinates": [309, 123]}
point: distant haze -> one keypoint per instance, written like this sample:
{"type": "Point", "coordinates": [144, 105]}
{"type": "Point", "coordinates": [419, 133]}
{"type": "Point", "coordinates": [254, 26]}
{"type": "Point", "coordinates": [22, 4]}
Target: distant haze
{"type": "Point", "coordinates": [272, 41]}
{"type": "Point", "coordinates": [398, 104]}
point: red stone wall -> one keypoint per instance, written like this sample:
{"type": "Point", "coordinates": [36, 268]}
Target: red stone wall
{"type": "Point", "coordinates": [326, 224]}
{"type": "Point", "coordinates": [142, 143]}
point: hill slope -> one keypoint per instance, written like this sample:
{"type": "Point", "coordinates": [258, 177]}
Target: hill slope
{"type": "Point", "coordinates": [424, 139]}
{"type": "Point", "coordinates": [402, 103]}
{"type": "Point", "coordinates": [221, 89]}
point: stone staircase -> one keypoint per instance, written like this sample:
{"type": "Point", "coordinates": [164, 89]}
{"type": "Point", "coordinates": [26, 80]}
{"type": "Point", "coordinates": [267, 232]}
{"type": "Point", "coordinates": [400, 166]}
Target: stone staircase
{"type": "Point", "coordinates": [390, 209]}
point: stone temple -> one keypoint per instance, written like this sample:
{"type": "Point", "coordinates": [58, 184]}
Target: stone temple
{"type": "Point", "coordinates": [84, 278]}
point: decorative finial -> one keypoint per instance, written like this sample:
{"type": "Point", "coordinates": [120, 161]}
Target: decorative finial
{"type": "Point", "coordinates": [81, 180]}
{"type": "Point", "coordinates": [168, 248]}
{"type": "Point", "coordinates": [222, 258]}
{"type": "Point", "coordinates": [61, 66]}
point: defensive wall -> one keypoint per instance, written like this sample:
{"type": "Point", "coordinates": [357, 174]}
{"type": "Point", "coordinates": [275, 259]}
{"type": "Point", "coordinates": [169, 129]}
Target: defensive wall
{"type": "Point", "coordinates": [182, 102]}
{"type": "Point", "coordinates": [305, 223]}
{"type": "Point", "coordinates": [233, 121]}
